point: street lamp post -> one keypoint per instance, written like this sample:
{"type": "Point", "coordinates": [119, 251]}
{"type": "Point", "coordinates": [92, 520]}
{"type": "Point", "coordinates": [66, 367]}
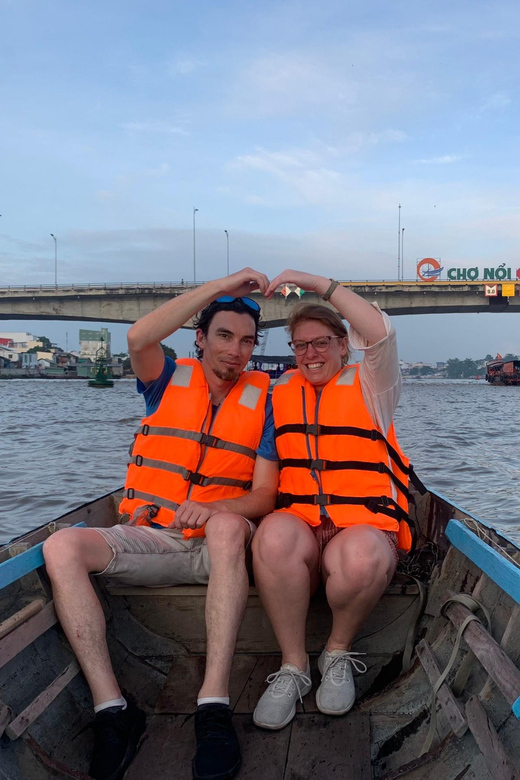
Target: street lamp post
{"type": "Point", "coordinates": [399, 245]}
{"type": "Point", "coordinates": [194, 256]}
{"type": "Point", "coordinates": [55, 260]}
{"type": "Point", "coordinates": [227, 243]}
{"type": "Point", "coordinates": [402, 254]}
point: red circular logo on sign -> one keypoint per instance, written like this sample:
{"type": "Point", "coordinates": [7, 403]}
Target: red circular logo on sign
{"type": "Point", "coordinates": [429, 269]}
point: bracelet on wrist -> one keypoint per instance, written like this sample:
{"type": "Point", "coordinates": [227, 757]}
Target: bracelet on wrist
{"type": "Point", "coordinates": [333, 284]}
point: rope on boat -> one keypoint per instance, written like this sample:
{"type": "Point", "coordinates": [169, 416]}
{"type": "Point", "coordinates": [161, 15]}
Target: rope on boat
{"type": "Point", "coordinates": [481, 532]}
{"type": "Point", "coordinates": [463, 673]}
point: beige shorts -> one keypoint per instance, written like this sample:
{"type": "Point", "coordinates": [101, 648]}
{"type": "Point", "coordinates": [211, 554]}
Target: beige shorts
{"type": "Point", "coordinates": [157, 557]}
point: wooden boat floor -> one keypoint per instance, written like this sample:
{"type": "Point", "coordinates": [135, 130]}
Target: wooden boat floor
{"type": "Point", "coordinates": [312, 746]}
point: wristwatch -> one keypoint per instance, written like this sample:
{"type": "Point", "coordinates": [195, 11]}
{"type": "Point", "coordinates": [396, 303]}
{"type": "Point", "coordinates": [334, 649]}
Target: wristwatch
{"type": "Point", "coordinates": [330, 289]}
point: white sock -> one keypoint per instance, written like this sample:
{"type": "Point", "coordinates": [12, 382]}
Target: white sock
{"type": "Point", "coordinates": [112, 703]}
{"type": "Point", "coordinates": [213, 700]}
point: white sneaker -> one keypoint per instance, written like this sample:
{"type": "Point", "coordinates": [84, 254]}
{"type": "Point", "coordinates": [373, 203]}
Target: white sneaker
{"type": "Point", "coordinates": [277, 706]}
{"type": "Point", "coordinates": [337, 692]}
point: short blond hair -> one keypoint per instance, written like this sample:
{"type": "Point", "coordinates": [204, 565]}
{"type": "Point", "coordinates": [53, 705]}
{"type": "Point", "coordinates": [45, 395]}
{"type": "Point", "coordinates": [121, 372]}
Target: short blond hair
{"type": "Point", "coordinates": [303, 312]}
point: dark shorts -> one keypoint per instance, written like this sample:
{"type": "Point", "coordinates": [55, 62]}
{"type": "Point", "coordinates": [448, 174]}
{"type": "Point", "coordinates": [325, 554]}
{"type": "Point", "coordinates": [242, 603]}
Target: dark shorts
{"type": "Point", "coordinates": [327, 531]}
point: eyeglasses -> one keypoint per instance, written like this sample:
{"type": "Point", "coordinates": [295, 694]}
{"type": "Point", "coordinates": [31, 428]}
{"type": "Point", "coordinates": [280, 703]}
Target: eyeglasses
{"type": "Point", "coordinates": [249, 302]}
{"type": "Point", "coordinates": [320, 344]}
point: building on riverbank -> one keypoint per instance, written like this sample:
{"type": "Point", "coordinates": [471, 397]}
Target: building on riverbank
{"type": "Point", "coordinates": [91, 340]}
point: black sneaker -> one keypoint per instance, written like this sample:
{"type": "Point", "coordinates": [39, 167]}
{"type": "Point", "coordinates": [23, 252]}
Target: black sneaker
{"type": "Point", "coordinates": [218, 752]}
{"type": "Point", "coordinates": [117, 733]}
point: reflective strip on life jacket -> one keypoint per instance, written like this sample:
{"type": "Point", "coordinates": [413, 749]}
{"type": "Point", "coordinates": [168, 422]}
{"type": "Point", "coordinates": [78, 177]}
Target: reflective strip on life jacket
{"type": "Point", "coordinates": [183, 451]}
{"type": "Point", "coordinates": [203, 438]}
{"type": "Point", "coordinates": [195, 477]}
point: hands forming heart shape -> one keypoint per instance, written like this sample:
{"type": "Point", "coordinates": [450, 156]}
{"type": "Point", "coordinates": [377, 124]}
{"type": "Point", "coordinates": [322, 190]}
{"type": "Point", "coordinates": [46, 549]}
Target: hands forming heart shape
{"type": "Point", "coordinates": [248, 280]}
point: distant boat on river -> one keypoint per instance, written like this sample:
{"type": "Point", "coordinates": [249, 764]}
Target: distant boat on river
{"type": "Point", "coordinates": [503, 372]}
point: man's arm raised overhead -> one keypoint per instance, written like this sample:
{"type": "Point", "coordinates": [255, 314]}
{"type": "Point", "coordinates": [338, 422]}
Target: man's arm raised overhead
{"type": "Point", "coordinates": [145, 335]}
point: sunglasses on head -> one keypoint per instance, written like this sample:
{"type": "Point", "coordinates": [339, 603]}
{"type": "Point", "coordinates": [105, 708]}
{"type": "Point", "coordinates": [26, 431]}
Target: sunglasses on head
{"type": "Point", "coordinates": [249, 302]}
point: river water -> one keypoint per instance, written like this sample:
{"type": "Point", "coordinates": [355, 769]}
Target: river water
{"type": "Point", "coordinates": [64, 443]}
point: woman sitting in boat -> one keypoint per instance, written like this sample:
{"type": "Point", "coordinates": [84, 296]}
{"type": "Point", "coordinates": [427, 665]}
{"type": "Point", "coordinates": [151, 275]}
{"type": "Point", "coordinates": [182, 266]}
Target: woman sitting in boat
{"type": "Point", "coordinates": [342, 501]}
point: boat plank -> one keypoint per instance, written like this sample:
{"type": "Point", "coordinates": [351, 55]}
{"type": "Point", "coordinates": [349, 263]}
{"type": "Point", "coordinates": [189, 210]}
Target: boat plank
{"type": "Point", "coordinates": [168, 746]}
{"type": "Point", "coordinates": [330, 748]}
{"type": "Point", "coordinates": [5, 716]}
{"type": "Point", "coordinates": [264, 753]}
{"type": "Point", "coordinates": [21, 637]}
{"type": "Point", "coordinates": [179, 693]}
{"type": "Point", "coordinates": [256, 685]}
{"type": "Point", "coordinates": [495, 757]}
{"type": "Point", "coordinates": [451, 707]}
{"type": "Point", "coordinates": [20, 617]}
{"type": "Point", "coordinates": [41, 702]}
{"type": "Point", "coordinates": [496, 663]}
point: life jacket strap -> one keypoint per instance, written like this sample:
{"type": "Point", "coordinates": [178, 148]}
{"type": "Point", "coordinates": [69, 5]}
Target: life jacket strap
{"type": "Point", "coordinates": [316, 429]}
{"type": "Point", "coordinates": [207, 439]}
{"type": "Point", "coordinates": [151, 498]}
{"type": "Point", "coordinates": [376, 504]}
{"type": "Point", "coordinates": [195, 477]}
{"type": "Point", "coordinates": [319, 464]}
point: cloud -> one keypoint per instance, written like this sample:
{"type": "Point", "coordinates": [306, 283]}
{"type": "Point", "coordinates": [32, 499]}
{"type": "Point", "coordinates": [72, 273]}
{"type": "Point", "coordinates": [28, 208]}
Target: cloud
{"type": "Point", "coordinates": [301, 170]}
{"type": "Point", "coordinates": [312, 175]}
{"type": "Point", "coordinates": [164, 128]}
{"type": "Point", "coordinates": [445, 159]}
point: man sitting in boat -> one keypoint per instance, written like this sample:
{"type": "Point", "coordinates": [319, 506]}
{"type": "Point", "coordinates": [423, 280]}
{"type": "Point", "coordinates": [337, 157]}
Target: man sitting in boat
{"type": "Point", "coordinates": [342, 501]}
{"type": "Point", "coordinates": [194, 487]}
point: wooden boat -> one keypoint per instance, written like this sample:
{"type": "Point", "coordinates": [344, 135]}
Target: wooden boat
{"type": "Point", "coordinates": [156, 638]}
{"type": "Point", "coordinates": [503, 372]}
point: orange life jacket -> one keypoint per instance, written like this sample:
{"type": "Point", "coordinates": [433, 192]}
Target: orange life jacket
{"type": "Point", "coordinates": [333, 456]}
{"type": "Point", "coordinates": [180, 452]}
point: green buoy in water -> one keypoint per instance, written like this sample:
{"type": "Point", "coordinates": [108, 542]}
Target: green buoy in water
{"type": "Point", "coordinates": [103, 377]}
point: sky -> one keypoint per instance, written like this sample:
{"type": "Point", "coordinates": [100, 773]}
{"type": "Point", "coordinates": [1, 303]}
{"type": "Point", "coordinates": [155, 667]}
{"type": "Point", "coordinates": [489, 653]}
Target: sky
{"type": "Point", "coordinates": [298, 127]}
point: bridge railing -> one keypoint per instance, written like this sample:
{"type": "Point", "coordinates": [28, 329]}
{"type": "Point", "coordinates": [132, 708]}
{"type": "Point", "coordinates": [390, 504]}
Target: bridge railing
{"type": "Point", "coordinates": [98, 285]}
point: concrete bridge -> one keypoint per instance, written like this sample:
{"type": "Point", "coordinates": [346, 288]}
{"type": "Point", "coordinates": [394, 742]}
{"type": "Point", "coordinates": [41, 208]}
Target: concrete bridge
{"type": "Point", "coordinates": [126, 302]}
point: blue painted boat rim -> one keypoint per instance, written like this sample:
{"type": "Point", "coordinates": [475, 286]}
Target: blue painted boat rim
{"type": "Point", "coordinates": [477, 519]}
{"type": "Point", "coordinates": [503, 570]}
{"type": "Point", "coordinates": [25, 562]}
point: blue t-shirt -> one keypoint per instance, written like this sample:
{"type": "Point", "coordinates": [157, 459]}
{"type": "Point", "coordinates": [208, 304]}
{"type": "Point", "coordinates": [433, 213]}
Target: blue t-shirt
{"type": "Point", "coordinates": [153, 394]}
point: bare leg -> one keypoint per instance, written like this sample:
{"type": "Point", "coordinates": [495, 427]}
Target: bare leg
{"type": "Point", "coordinates": [70, 554]}
{"type": "Point", "coordinates": [228, 587]}
{"type": "Point", "coordinates": [285, 561]}
{"type": "Point", "coordinates": [358, 564]}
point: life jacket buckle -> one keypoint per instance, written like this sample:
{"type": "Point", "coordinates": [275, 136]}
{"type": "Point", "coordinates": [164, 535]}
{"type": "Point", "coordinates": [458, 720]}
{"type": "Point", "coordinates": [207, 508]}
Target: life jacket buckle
{"type": "Point", "coordinates": [138, 460]}
{"type": "Point", "coordinates": [385, 501]}
{"type": "Point", "coordinates": [312, 429]}
{"type": "Point", "coordinates": [130, 493]}
{"type": "Point", "coordinates": [381, 468]}
{"type": "Point", "coordinates": [372, 505]}
{"type": "Point", "coordinates": [320, 499]}
{"type": "Point", "coordinates": [209, 440]}
{"type": "Point", "coordinates": [319, 464]}
{"type": "Point", "coordinates": [196, 478]}
{"type": "Point", "coordinates": [146, 430]}
{"type": "Point", "coordinates": [374, 434]}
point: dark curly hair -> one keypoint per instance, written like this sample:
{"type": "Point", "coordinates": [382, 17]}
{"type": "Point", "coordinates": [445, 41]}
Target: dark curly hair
{"type": "Point", "coordinates": [203, 320]}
